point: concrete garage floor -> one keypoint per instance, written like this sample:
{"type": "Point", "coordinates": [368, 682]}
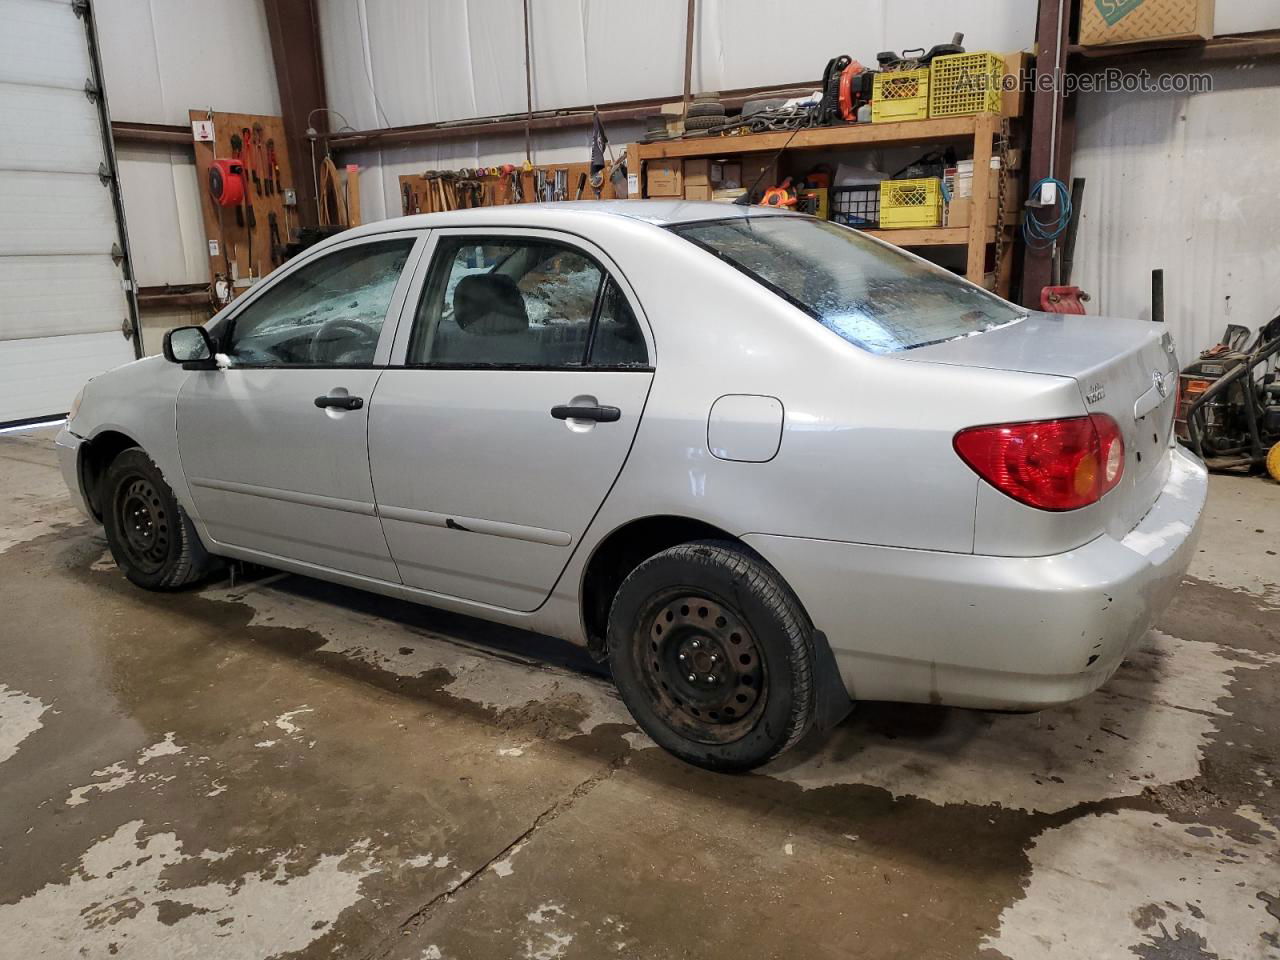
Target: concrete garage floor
{"type": "Point", "coordinates": [281, 767]}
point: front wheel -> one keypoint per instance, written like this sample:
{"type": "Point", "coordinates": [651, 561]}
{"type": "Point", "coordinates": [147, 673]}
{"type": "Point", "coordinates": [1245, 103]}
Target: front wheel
{"type": "Point", "coordinates": [713, 655]}
{"type": "Point", "coordinates": [151, 537]}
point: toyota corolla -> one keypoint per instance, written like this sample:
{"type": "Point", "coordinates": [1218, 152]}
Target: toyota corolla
{"type": "Point", "coordinates": [763, 464]}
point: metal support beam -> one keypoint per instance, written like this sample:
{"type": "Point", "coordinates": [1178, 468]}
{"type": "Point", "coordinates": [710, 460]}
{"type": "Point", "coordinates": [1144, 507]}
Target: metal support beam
{"type": "Point", "coordinates": [1049, 136]}
{"type": "Point", "coordinates": [294, 28]}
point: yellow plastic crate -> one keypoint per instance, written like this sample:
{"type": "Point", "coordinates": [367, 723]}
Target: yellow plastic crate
{"type": "Point", "coordinates": [966, 83]}
{"type": "Point", "coordinates": [910, 203]}
{"type": "Point", "coordinates": [900, 95]}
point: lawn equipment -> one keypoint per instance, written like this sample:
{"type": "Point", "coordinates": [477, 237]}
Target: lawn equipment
{"type": "Point", "coordinates": [1229, 401]}
{"type": "Point", "coordinates": [846, 86]}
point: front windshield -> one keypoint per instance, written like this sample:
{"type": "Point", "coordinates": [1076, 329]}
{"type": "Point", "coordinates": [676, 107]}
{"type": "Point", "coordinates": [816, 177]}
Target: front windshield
{"type": "Point", "coordinates": [874, 296]}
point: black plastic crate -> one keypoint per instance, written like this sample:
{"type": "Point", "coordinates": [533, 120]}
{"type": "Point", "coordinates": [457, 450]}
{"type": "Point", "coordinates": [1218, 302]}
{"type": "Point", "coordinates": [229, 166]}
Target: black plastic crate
{"type": "Point", "coordinates": [856, 206]}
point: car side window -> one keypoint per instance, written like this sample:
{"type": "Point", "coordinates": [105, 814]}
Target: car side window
{"type": "Point", "coordinates": [618, 341]}
{"type": "Point", "coordinates": [330, 311]}
{"type": "Point", "coordinates": [508, 302]}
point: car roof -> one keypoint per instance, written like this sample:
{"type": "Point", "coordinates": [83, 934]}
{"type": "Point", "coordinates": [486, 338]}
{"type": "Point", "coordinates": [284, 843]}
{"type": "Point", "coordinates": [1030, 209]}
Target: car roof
{"type": "Point", "coordinates": [658, 212]}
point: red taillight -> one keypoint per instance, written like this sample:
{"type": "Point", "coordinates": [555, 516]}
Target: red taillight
{"type": "Point", "coordinates": [1049, 464]}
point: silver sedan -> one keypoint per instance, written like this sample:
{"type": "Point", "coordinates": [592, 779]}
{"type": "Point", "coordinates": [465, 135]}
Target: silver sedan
{"type": "Point", "coordinates": [762, 464]}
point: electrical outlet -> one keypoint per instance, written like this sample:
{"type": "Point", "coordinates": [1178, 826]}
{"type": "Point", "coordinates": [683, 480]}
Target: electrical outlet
{"type": "Point", "coordinates": [290, 198]}
{"type": "Point", "coordinates": [1045, 196]}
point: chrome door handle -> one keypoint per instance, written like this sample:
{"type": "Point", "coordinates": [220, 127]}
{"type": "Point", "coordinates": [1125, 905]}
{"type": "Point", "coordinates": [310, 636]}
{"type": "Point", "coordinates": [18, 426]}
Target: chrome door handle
{"type": "Point", "coordinates": [598, 413]}
{"type": "Point", "coordinates": [342, 403]}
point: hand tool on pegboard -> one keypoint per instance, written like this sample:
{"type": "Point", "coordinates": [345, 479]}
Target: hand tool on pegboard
{"type": "Point", "coordinates": [277, 248]}
{"type": "Point", "coordinates": [270, 167]}
{"type": "Point", "coordinates": [258, 163]}
{"type": "Point", "coordinates": [582, 185]}
{"type": "Point", "coordinates": [237, 152]}
{"type": "Point", "coordinates": [246, 141]}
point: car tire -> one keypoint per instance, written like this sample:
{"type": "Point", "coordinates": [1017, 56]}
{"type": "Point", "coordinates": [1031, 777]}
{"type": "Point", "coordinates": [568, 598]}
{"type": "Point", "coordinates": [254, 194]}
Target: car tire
{"type": "Point", "coordinates": [713, 655]}
{"type": "Point", "coordinates": [703, 123]}
{"type": "Point", "coordinates": [151, 537]}
{"type": "Point", "coordinates": [712, 108]}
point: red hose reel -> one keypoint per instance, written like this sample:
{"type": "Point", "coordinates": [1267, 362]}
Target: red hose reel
{"type": "Point", "coordinates": [226, 182]}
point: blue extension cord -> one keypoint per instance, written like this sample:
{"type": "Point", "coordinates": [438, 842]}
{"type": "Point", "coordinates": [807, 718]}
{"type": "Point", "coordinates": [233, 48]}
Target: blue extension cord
{"type": "Point", "coordinates": [1040, 234]}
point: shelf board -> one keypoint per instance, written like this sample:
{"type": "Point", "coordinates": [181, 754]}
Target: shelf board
{"type": "Point", "coordinates": [902, 133]}
{"type": "Point", "coordinates": [928, 236]}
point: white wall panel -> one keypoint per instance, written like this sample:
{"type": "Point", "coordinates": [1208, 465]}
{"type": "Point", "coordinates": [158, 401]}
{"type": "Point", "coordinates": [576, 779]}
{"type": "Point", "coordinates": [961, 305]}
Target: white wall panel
{"type": "Point", "coordinates": [1182, 183]}
{"type": "Point", "coordinates": [162, 207]}
{"type": "Point", "coordinates": [455, 59]}
{"type": "Point", "coordinates": [62, 300]}
{"type": "Point", "coordinates": [55, 213]}
{"type": "Point", "coordinates": [1245, 16]}
{"type": "Point", "coordinates": [41, 377]}
{"type": "Point", "coordinates": [161, 58]}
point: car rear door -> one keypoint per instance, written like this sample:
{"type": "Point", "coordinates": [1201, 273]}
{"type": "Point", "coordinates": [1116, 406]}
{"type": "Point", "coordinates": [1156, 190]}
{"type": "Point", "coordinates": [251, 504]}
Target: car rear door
{"type": "Point", "coordinates": [275, 446]}
{"type": "Point", "coordinates": [523, 371]}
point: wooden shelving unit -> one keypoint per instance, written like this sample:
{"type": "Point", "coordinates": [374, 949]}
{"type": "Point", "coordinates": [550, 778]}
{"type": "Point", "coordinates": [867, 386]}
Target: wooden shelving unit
{"type": "Point", "coordinates": [980, 130]}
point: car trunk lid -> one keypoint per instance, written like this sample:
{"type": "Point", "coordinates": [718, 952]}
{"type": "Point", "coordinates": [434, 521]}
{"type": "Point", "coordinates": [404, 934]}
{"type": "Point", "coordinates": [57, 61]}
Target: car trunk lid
{"type": "Point", "coordinates": [1124, 368]}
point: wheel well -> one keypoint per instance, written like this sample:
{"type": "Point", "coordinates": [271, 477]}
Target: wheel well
{"type": "Point", "coordinates": [95, 457]}
{"type": "Point", "coordinates": [621, 552]}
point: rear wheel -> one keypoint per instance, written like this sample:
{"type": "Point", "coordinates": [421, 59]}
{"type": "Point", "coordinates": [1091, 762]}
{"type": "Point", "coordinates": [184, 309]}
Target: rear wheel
{"type": "Point", "coordinates": [713, 655]}
{"type": "Point", "coordinates": [151, 537]}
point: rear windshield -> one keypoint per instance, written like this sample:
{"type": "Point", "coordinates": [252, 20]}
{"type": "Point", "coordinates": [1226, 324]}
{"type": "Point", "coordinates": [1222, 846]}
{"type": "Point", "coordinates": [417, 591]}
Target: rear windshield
{"type": "Point", "coordinates": [873, 296]}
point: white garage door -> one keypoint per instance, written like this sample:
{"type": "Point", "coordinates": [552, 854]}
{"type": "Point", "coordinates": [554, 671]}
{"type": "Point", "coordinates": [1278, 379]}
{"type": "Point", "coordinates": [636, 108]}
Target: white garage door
{"type": "Point", "coordinates": [62, 297]}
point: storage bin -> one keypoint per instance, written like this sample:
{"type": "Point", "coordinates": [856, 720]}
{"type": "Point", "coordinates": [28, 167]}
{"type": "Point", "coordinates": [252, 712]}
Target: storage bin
{"type": "Point", "coordinates": [965, 83]}
{"type": "Point", "coordinates": [910, 203]}
{"type": "Point", "coordinates": [856, 206]}
{"type": "Point", "coordinates": [900, 95]}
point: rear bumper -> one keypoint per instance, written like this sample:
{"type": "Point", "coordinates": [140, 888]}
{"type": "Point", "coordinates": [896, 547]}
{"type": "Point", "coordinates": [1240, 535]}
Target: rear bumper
{"type": "Point", "coordinates": [68, 445]}
{"type": "Point", "coordinates": [1015, 633]}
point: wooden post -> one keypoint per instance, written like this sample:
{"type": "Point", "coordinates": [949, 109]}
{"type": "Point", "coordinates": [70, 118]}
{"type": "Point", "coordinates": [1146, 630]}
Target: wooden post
{"type": "Point", "coordinates": [984, 130]}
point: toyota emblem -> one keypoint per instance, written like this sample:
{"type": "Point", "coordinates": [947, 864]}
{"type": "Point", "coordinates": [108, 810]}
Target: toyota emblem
{"type": "Point", "coordinates": [1157, 379]}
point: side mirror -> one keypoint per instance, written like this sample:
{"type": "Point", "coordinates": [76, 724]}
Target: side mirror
{"type": "Point", "coordinates": [190, 346]}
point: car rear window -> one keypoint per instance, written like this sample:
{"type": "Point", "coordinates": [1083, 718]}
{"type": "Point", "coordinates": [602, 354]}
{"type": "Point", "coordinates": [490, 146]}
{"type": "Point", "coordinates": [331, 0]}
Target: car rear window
{"type": "Point", "coordinates": [874, 296]}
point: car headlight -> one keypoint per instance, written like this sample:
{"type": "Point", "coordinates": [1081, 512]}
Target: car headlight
{"type": "Point", "coordinates": [75, 405]}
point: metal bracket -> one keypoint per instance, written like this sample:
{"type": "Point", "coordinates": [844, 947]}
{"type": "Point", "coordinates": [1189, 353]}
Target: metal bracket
{"type": "Point", "coordinates": [80, 8]}
{"type": "Point", "coordinates": [117, 254]}
{"type": "Point", "coordinates": [126, 329]}
{"type": "Point", "coordinates": [104, 174]}
{"type": "Point", "coordinates": [91, 91]}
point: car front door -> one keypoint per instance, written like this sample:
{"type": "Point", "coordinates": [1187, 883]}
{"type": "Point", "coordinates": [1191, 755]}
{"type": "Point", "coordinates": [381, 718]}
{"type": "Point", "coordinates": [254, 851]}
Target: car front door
{"type": "Point", "coordinates": [494, 442]}
{"type": "Point", "coordinates": [275, 445]}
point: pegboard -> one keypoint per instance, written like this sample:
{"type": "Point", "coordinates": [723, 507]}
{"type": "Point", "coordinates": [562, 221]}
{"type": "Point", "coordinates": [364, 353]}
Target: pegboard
{"type": "Point", "coordinates": [243, 252]}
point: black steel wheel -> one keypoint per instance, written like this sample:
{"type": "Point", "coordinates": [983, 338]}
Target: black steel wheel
{"type": "Point", "coordinates": [141, 516]}
{"type": "Point", "coordinates": [151, 537]}
{"type": "Point", "coordinates": [713, 655]}
{"type": "Point", "coordinates": [704, 672]}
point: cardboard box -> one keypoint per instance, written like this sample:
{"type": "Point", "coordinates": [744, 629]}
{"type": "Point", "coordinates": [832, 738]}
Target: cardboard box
{"type": "Point", "coordinates": [697, 191]}
{"type": "Point", "coordinates": [663, 178]}
{"type": "Point", "coordinates": [697, 173]}
{"type": "Point", "coordinates": [760, 167]}
{"type": "Point", "coordinates": [1105, 22]}
{"type": "Point", "coordinates": [726, 175]}
{"type": "Point", "coordinates": [728, 195]}
{"type": "Point", "coordinates": [960, 210]}
{"type": "Point", "coordinates": [1020, 65]}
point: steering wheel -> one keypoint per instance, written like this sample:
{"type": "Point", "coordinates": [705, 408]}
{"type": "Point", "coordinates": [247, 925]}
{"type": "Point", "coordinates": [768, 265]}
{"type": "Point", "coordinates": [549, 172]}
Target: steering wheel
{"type": "Point", "coordinates": [343, 340]}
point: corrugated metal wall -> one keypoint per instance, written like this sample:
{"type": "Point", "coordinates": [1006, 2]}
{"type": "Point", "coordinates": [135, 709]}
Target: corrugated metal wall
{"type": "Point", "coordinates": [1185, 183]}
